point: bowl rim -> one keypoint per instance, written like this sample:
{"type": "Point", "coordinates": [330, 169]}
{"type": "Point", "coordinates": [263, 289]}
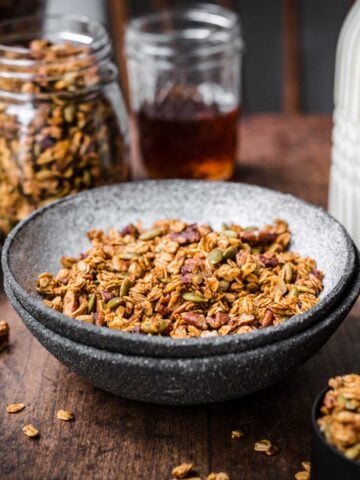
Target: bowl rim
{"type": "Point", "coordinates": [319, 436]}
{"type": "Point", "coordinates": [177, 346]}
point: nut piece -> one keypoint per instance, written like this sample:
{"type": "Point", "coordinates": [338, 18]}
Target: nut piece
{"type": "Point", "coordinates": [181, 471]}
{"type": "Point", "coordinates": [266, 447]}
{"type": "Point", "coordinates": [15, 407]}
{"type": "Point", "coordinates": [65, 415]}
{"type": "Point", "coordinates": [237, 434]}
{"type": "Point", "coordinates": [218, 476]}
{"type": "Point", "coordinates": [4, 334]}
{"type": "Point", "coordinates": [30, 431]}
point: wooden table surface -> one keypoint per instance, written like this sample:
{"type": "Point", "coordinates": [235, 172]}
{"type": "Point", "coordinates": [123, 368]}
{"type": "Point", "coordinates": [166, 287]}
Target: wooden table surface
{"type": "Point", "coordinates": [113, 438]}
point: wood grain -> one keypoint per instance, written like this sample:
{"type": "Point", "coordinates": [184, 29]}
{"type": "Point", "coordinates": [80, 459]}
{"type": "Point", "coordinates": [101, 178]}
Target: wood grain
{"type": "Point", "coordinates": [113, 438]}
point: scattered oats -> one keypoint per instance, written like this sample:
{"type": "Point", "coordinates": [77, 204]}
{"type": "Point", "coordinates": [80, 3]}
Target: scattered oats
{"type": "Point", "coordinates": [304, 474]}
{"type": "Point", "coordinates": [15, 407]}
{"type": "Point", "coordinates": [218, 476]}
{"type": "Point", "coordinates": [30, 431]}
{"type": "Point", "coordinates": [237, 434]}
{"type": "Point", "coordinates": [266, 447]}
{"type": "Point", "coordinates": [181, 471]}
{"type": "Point", "coordinates": [188, 282]}
{"type": "Point", "coordinates": [65, 415]}
{"type": "Point", "coordinates": [4, 334]}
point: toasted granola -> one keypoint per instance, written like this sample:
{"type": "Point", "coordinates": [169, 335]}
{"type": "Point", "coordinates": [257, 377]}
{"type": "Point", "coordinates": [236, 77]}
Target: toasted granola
{"type": "Point", "coordinates": [265, 446]}
{"type": "Point", "coordinates": [305, 473]}
{"type": "Point", "coordinates": [185, 280]}
{"type": "Point", "coordinates": [182, 471]}
{"type": "Point", "coordinates": [15, 407]}
{"type": "Point", "coordinates": [4, 334]}
{"type": "Point", "coordinates": [65, 415]}
{"type": "Point", "coordinates": [62, 137]}
{"type": "Point", "coordinates": [30, 431]}
{"type": "Point", "coordinates": [340, 419]}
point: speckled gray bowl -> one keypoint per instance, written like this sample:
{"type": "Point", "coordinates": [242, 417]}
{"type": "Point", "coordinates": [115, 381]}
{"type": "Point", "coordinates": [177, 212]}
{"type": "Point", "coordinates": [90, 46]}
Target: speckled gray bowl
{"type": "Point", "coordinates": [38, 242]}
{"type": "Point", "coordinates": [189, 380]}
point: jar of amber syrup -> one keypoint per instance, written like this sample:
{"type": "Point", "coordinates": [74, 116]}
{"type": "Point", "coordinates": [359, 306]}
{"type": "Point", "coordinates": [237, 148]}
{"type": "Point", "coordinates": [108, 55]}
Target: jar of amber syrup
{"type": "Point", "coordinates": [184, 68]}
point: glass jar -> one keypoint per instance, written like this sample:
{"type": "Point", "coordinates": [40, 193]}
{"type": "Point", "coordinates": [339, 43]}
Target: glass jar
{"type": "Point", "coordinates": [185, 68]}
{"type": "Point", "coordinates": [63, 125]}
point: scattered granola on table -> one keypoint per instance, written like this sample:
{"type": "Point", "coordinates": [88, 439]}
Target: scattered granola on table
{"type": "Point", "coordinates": [65, 415]}
{"type": "Point", "coordinates": [218, 476]}
{"type": "Point", "coordinates": [15, 407]}
{"type": "Point", "coordinates": [61, 135]}
{"type": "Point", "coordinates": [185, 280]}
{"type": "Point", "coordinates": [181, 471]}
{"type": "Point", "coordinates": [4, 334]}
{"type": "Point", "coordinates": [237, 434]}
{"type": "Point", "coordinates": [340, 415]}
{"type": "Point", "coordinates": [30, 431]}
{"type": "Point", "coordinates": [305, 473]}
{"type": "Point", "coordinates": [266, 447]}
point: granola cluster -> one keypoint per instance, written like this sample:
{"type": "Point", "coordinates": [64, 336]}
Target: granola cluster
{"type": "Point", "coordinates": [185, 280]}
{"type": "Point", "coordinates": [340, 420]}
{"type": "Point", "coordinates": [62, 136]}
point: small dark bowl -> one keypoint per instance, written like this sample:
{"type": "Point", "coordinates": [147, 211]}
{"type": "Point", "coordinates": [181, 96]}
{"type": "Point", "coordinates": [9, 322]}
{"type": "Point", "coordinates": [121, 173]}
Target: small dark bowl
{"type": "Point", "coordinates": [38, 242]}
{"type": "Point", "coordinates": [326, 461]}
{"type": "Point", "coordinates": [189, 380]}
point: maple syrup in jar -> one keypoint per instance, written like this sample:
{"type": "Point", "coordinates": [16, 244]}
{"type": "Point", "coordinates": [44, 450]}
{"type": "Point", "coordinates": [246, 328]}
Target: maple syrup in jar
{"type": "Point", "coordinates": [184, 68]}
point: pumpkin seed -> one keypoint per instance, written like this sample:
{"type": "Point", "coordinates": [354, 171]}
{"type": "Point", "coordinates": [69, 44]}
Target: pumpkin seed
{"type": "Point", "coordinates": [230, 234]}
{"type": "Point", "coordinates": [113, 303]}
{"type": "Point", "coordinates": [229, 253]}
{"type": "Point", "coordinates": [294, 292]}
{"type": "Point", "coordinates": [288, 272]}
{"type": "Point", "coordinates": [215, 256]}
{"type": "Point", "coordinates": [91, 304]}
{"type": "Point", "coordinates": [125, 287]}
{"type": "Point", "coordinates": [150, 234]}
{"type": "Point", "coordinates": [193, 297]}
{"type": "Point", "coordinates": [304, 289]}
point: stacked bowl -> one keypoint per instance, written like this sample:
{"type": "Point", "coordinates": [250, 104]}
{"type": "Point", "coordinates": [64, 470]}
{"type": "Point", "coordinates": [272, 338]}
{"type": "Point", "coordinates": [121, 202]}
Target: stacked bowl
{"type": "Point", "coordinates": [163, 369]}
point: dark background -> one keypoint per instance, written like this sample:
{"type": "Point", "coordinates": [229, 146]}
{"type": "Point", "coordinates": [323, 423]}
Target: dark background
{"type": "Point", "coordinates": [318, 21]}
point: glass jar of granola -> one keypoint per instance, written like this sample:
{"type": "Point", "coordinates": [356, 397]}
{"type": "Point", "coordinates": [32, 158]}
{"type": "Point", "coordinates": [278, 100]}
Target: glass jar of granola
{"type": "Point", "coordinates": [63, 124]}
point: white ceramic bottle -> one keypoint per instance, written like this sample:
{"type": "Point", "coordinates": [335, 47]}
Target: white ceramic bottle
{"type": "Point", "coordinates": [344, 189]}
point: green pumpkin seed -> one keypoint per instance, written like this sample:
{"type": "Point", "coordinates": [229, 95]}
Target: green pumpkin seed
{"type": "Point", "coordinates": [150, 234]}
{"type": "Point", "coordinates": [215, 256]}
{"type": "Point", "coordinates": [304, 289]}
{"type": "Point", "coordinates": [125, 287]}
{"type": "Point", "coordinates": [193, 297]}
{"type": "Point", "coordinates": [113, 303]}
{"type": "Point", "coordinates": [128, 255]}
{"type": "Point", "coordinates": [288, 272]}
{"type": "Point", "coordinates": [230, 233]}
{"type": "Point", "coordinates": [230, 253]}
{"type": "Point", "coordinates": [91, 304]}
{"type": "Point", "coordinates": [294, 292]}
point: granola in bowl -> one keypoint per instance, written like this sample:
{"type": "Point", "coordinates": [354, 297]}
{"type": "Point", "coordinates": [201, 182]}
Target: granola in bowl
{"type": "Point", "coordinates": [339, 421]}
{"type": "Point", "coordinates": [185, 280]}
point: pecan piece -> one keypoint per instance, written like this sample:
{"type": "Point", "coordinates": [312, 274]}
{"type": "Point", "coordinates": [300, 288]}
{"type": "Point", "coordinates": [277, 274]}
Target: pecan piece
{"type": "Point", "coordinates": [190, 235]}
{"type": "Point", "coordinates": [220, 319]}
{"type": "Point", "coordinates": [258, 237]}
{"type": "Point", "coordinates": [195, 319]}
